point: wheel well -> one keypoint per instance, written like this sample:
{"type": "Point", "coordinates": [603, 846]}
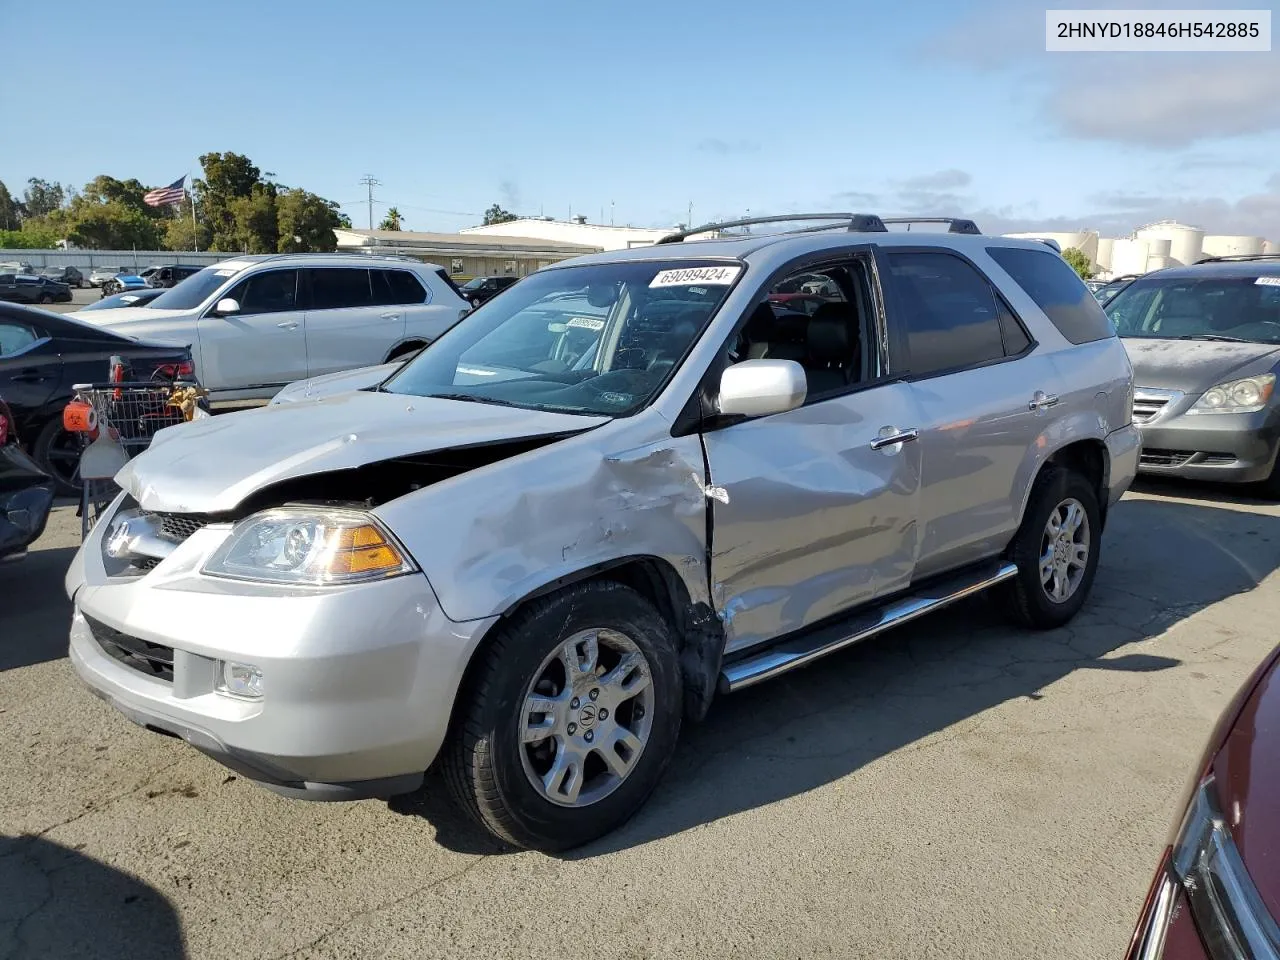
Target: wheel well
{"type": "Point", "coordinates": [400, 349]}
{"type": "Point", "coordinates": [1088, 458]}
{"type": "Point", "coordinates": [698, 630]}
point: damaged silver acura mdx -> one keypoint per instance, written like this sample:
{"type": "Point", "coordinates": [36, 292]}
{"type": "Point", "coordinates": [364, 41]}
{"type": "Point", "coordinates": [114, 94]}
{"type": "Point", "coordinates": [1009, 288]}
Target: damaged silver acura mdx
{"type": "Point", "coordinates": [631, 482]}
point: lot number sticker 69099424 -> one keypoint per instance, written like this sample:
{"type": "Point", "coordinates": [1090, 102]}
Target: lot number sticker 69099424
{"type": "Point", "coordinates": [711, 276]}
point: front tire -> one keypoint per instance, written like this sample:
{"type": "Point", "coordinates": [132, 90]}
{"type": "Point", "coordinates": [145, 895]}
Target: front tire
{"type": "Point", "coordinates": [1056, 550]}
{"type": "Point", "coordinates": [570, 719]}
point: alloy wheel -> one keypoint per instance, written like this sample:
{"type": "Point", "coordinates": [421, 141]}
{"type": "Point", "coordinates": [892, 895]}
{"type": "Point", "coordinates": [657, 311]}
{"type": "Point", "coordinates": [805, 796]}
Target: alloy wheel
{"type": "Point", "coordinates": [1064, 550]}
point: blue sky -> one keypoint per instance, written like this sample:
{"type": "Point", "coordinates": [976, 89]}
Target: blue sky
{"type": "Point", "coordinates": [911, 106]}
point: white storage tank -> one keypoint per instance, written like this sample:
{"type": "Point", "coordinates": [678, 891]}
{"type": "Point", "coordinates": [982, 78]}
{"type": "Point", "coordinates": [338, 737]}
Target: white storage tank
{"type": "Point", "coordinates": [1159, 263]}
{"type": "Point", "coordinates": [1221, 245]}
{"type": "Point", "coordinates": [1104, 252]}
{"type": "Point", "coordinates": [1128, 255]}
{"type": "Point", "coordinates": [1184, 242]}
{"type": "Point", "coordinates": [1159, 247]}
{"type": "Point", "coordinates": [1270, 246]}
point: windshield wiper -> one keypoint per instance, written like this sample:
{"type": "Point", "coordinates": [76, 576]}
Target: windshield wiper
{"type": "Point", "coordinates": [471, 398]}
{"type": "Point", "coordinates": [1216, 338]}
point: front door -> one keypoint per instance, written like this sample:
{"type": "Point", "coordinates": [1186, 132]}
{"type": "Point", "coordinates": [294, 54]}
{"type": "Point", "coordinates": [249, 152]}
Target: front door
{"type": "Point", "coordinates": [814, 510]}
{"type": "Point", "coordinates": [261, 347]}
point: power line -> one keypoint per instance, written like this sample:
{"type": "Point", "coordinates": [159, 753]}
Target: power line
{"type": "Point", "coordinates": [369, 181]}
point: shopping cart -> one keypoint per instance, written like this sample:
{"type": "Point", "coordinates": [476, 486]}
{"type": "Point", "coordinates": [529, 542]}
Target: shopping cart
{"type": "Point", "coordinates": [116, 421]}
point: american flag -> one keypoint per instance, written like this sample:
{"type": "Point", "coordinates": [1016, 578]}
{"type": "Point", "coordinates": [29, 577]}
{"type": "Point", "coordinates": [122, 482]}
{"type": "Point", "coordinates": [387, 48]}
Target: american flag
{"type": "Point", "coordinates": [166, 196]}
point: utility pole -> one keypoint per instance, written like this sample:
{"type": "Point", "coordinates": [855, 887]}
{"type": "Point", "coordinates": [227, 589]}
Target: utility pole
{"type": "Point", "coordinates": [370, 182]}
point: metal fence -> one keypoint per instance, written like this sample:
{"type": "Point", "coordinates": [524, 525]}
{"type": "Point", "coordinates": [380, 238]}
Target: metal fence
{"type": "Point", "coordinates": [86, 260]}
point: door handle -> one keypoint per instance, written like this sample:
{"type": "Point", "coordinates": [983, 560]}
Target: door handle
{"type": "Point", "coordinates": [390, 315]}
{"type": "Point", "coordinates": [288, 324]}
{"type": "Point", "coordinates": [1041, 401]}
{"type": "Point", "coordinates": [888, 439]}
{"type": "Point", "coordinates": [28, 376]}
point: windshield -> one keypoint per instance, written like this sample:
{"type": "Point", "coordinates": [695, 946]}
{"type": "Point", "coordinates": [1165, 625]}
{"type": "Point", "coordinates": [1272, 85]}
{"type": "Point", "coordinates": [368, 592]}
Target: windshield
{"type": "Point", "coordinates": [474, 283]}
{"type": "Point", "coordinates": [52, 271]}
{"type": "Point", "coordinates": [194, 290]}
{"type": "Point", "coordinates": [137, 299]}
{"type": "Point", "coordinates": [1217, 308]}
{"type": "Point", "coordinates": [598, 340]}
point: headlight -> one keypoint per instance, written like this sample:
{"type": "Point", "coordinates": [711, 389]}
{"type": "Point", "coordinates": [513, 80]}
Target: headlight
{"type": "Point", "coordinates": [315, 547]}
{"type": "Point", "coordinates": [1248, 395]}
{"type": "Point", "coordinates": [1229, 913]}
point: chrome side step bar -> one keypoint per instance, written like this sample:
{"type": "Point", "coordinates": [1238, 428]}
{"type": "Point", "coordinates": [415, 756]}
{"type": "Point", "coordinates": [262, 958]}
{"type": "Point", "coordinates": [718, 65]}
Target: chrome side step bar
{"type": "Point", "coordinates": [802, 649]}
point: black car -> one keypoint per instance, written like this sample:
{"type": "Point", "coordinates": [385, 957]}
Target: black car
{"type": "Point", "coordinates": [68, 275]}
{"type": "Point", "coordinates": [130, 298]}
{"type": "Point", "coordinates": [169, 275]}
{"type": "Point", "coordinates": [43, 354]}
{"type": "Point", "coordinates": [23, 288]}
{"type": "Point", "coordinates": [479, 289]}
{"type": "Point", "coordinates": [26, 492]}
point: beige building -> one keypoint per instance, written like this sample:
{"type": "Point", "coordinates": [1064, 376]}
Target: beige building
{"type": "Point", "coordinates": [575, 231]}
{"type": "Point", "coordinates": [464, 255]}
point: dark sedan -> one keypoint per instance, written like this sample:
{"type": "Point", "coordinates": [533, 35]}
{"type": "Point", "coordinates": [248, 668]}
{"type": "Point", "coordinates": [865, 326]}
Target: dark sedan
{"type": "Point", "coordinates": [43, 354]}
{"type": "Point", "coordinates": [26, 492]}
{"type": "Point", "coordinates": [1205, 345]}
{"type": "Point", "coordinates": [479, 290]}
{"type": "Point", "coordinates": [130, 298]}
{"type": "Point", "coordinates": [22, 288]}
{"type": "Point", "coordinates": [1216, 893]}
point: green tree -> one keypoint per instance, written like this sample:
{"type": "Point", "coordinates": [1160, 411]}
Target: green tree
{"type": "Point", "coordinates": [306, 222]}
{"type": "Point", "coordinates": [1078, 261]}
{"type": "Point", "coordinates": [42, 197]}
{"type": "Point", "coordinates": [227, 177]}
{"type": "Point", "coordinates": [496, 214]}
{"type": "Point", "coordinates": [10, 210]}
{"type": "Point", "coordinates": [181, 234]}
{"type": "Point", "coordinates": [113, 225]}
{"type": "Point", "coordinates": [29, 238]}
{"type": "Point", "coordinates": [391, 221]}
{"type": "Point", "coordinates": [256, 221]}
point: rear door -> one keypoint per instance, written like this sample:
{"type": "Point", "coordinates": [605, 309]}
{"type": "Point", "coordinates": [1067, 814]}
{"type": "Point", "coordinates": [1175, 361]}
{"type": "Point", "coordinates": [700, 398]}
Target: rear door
{"type": "Point", "coordinates": [974, 374]}
{"type": "Point", "coordinates": [263, 346]}
{"type": "Point", "coordinates": [426, 316]}
{"type": "Point", "coordinates": [30, 368]}
{"type": "Point", "coordinates": [346, 327]}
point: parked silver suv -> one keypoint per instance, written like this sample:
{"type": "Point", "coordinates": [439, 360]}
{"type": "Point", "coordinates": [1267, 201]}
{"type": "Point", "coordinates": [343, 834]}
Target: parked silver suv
{"type": "Point", "coordinates": [633, 481]}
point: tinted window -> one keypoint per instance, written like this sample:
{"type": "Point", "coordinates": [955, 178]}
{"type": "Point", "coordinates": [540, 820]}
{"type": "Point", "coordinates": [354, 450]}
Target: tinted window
{"type": "Point", "coordinates": [271, 292]}
{"type": "Point", "coordinates": [1015, 337]}
{"type": "Point", "coordinates": [1190, 307]}
{"type": "Point", "coordinates": [15, 337]}
{"type": "Point", "coordinates": [193, 291]}
{"type": "Point", "coordinates": [949, 311]}
{"type": "Point", "coordinates": [333, 287]}
{"type": "Point", "coordinates": [396, 286]}
{"type": "Point", "coordinates": [6, 278]}
{"type": "Point", "coordinates": [1057, 290]}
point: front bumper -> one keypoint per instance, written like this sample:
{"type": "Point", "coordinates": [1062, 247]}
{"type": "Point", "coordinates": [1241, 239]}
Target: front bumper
{"type": "Point", "coordinates": [359, 681]}
{"type": "Point", "coordinates": [1231, 447]}
{"type": "Point", "coordinates": [1123, 448]}
{"type": "Point", "coordinates": [26, 495]}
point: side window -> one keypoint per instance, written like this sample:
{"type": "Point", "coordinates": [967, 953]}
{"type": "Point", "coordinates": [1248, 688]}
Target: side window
{"type": "Point", "coordinates": [1015, 337]}
{"type": "Point", "coordinates": [6, 278]}
{"type": "Point", "coordinates": [949, 311]}
{"type": "Point", "coordinates": [334, 287]}
{"type": "Point", "coordinates": [821, 320]}
{"type": "Point", "coordinates": [15, 337]}
{"type": "Point", "coordinates": [1057, 290]}
{"type": "Point", "coordinates": [392, 287]}
{"type": "Point", "coordinates": [273, 292]}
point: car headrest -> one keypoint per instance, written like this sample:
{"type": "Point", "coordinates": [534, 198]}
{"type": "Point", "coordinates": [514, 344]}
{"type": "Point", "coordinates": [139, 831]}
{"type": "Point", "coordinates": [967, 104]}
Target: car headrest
{"type": "Point", "coordinates": [831, 333]}
{"type": "Point", "coordinates": [760, 325]}
{"type": "Point", "coordinates": [790, 328]}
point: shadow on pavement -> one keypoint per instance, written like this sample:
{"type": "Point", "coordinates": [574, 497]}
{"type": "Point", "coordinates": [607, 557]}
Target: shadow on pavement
{"type": "Point", "coordinates": [35, 613]}
{"type": "Point", "coordinates": [57, 902]}
{"type": "Point", "coordinates": [1162, 562]}
{"type": "Point", "coordinates": [1239, 494]}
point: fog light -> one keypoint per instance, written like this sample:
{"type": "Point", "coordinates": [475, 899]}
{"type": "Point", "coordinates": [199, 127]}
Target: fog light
{"type": "Point", "coordinates": [239, 680]}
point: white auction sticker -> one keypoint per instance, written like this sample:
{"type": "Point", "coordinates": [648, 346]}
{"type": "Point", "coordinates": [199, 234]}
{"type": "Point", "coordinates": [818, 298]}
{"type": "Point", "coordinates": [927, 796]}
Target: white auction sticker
{"type": "Point", "coordinates": [687, 276]}
{"type": "Point", "coordinates": [587, 323]}
{"type": "Point", "coordinates": [1268, 281]}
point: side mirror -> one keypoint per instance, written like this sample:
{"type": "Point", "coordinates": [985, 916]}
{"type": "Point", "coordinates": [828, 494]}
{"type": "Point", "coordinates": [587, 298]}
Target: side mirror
{"type": "Point", "coordinates": [758, 388]}
{"type": "Point", "coordinates": [227, 305]}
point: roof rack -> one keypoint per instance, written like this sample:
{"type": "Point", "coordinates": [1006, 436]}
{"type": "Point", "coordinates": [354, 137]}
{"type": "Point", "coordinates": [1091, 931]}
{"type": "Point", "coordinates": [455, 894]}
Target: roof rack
{"type": "Point", "coordinates": [857, 223]}
{"type": "Point", "coordinates": [954, 224]}
{"type": "Point", "coordinates": [1239, 257]}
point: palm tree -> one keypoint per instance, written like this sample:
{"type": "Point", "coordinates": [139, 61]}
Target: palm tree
{"type": "Point", "coordinates": [391, 221]}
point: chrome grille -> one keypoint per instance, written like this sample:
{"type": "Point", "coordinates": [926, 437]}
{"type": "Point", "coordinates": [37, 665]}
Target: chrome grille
{"type": "Point", "coordinates": [1148, 403]}
{"type": "Point", "coordinates": [1165, 458]}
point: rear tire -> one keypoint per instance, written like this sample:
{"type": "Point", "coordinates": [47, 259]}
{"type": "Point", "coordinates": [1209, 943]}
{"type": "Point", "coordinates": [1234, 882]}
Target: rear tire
{"type": "Point", "coordinates": [505, 771]}
{"type": "Point", "coordinates": [1056, 550]}
{"type": "Point", "coordinates": [52, 450]}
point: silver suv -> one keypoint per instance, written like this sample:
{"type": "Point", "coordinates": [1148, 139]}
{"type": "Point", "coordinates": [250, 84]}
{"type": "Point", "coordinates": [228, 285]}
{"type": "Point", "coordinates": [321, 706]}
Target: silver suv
{"type": "Point", "coordinates": [632, 482]}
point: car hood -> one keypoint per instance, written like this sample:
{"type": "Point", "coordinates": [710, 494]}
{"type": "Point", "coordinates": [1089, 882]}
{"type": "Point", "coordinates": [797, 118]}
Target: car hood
{"type": "Point", "coordinates": [1191, 366]}
{"type": "Point", "coordinates": [334, 383]}
{"type": "Point", "coordinates": [210, 465]}
{"type": "Point", "coordinates": [1247, 776]}
{"type": "Point", "coordinates": [110, 318]}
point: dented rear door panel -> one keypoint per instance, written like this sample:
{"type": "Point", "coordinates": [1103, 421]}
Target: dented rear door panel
{"type": "Point", "coordinates": [808, 519]}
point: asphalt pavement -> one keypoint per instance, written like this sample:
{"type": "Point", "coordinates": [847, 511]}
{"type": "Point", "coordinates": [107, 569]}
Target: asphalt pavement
{"type": "Point", "coordinates": [956, 788]}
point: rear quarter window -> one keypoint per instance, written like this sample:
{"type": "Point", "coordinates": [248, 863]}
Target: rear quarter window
{"type": "Point", "coordinates": [1057, 290]}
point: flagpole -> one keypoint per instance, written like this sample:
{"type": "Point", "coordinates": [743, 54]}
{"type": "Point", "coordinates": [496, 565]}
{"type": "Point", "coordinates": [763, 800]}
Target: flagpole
{"type": "Point", "coordinates": [195, 228]}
